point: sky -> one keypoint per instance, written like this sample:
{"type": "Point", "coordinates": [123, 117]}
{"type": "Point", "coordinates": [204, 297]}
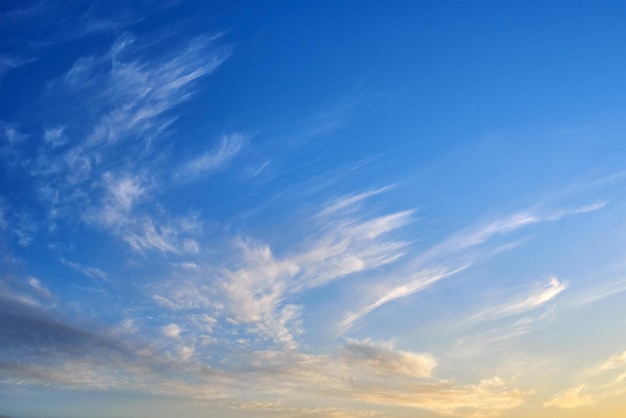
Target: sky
{"type": "Point", "coordinates": [315, 209]}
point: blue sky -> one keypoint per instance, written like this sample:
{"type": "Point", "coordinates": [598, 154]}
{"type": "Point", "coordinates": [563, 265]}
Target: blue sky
{"type": "Point", "coordinates": [312, 209]}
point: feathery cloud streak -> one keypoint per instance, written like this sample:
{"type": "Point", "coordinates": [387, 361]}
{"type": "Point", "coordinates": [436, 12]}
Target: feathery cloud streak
{"type": "Point", "coordinates": [426, 269]}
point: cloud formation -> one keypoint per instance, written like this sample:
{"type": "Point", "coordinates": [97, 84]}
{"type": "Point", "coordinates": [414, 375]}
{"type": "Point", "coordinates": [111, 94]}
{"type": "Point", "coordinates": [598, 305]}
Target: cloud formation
{"type": "Point", "coordinates": [525, 303]}
{"type": "Point", "coordinates": [571, 398]}
{"type": "Point", "coordinates": [141, 252]}
{"type": "Point", "coordinates": [228, 147]}
{"type": "Point", "coordinates": [384, 360]}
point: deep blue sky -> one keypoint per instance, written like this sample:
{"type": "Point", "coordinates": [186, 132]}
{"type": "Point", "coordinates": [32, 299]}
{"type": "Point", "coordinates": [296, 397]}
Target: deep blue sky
{"type": "Point", "coordinates": [316, 209]}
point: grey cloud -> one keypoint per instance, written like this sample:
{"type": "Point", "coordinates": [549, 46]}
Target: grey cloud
{"type": "Point", "coordinates": [29, 332]}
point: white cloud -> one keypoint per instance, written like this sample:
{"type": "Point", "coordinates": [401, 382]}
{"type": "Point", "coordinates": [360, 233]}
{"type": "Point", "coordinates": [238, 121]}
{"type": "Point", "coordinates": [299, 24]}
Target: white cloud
{"type": "Point", "coordinates": [598, 293]}
{"type": "Point", "coordinates": [10, 134]}
{"type": "Point", "coordinates": [346, 202]}
{"type": "Point", "coordinates": [227, 149]}
{"type": "Point", "coordinates": [477, 344]}
{"type": "Point", "coordinates": [24, 226]}
{"type": "Point", "coordinates": [203, 322]}
{"type": "Point", "coordinates": [9, 62]}
{"type": "Point", "coordinates": [172, 330]}
{"type": "Point", "coordinates": [420, 281]}
{"type": "Point", "coordinates": [383, 359]}
{"type": "Point", "coordinates": [615, 362]}
{"type": "Point", "coordinates": [461, 249]}
{"type": "Point", "coordinates": [93, 272]}
{"type": "Point", "coordinates": [447, 398]}
{"type": "Point", "coordinates": [149, 236]}
{"type": "Point", "coordinates": [378, 374]}
{"type": "Point", "coordinates": [120, 194]}
{"type": "Point", "coordinates": [258, 292]}
{"type": "Point", "coordinates": [81, 73]}
{"type": "Point", "coordinates": [571, 398]}
{"type": "Point", "coordinates": [142, 92]}
{"type": "Point", "coordinates": [253, 171]}
{"type": "Point", "coordinates": [601, 382]}
{"type": "Point", "coordinates": [79, 166]}
{"type": "Point", "coordinates": [120, 99]}
{"type": "Point", "coordinates": [475, 236]}
{"type": "Point", "coordinates": [55, 137]}
{"type": "Point", "coordinates": [36, 284]}
{"type": "Point", "coordinates": [191, 246]}
{"type": "Point", "coordinates": [533, 300]}
{"type": "Point", "coordinates": [124, 190]}
{"type": "Point", "coordinates": [186, 352]}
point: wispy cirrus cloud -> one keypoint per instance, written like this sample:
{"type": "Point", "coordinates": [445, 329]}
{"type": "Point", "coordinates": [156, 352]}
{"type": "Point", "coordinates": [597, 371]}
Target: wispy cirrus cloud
{"type": "Point", "coordinates": [10, 62]}
{"type": "Point", "coordinates": [144, 235]}
{"type": "Point", "coordinates": [131, 100]}
{"type": "Point", "coordinates": [228, 147]}
{"type": "Point", "coordinates": [520, 304]}
{"type": "Point", "coordinates": [258, 288]}
{"type": "Point", "coordinates": [10, 134]}
{"type": "Point", "coordinates": [351, 200]}
{"type": "Point", "coordinates": [39, 288]}
{"type": "Point", "coordinates": [260, 291]}
{"type": "Point", "coordinates": [55, 136]}
{"type": "Point", "coordinates": [600, 382]}
{"type": "Point", "coordinates": [598, 293]}
{"type": "Point", "coordinates": [90, 271]}
{"type": "Point", "coordinates": [477, 235]}
{"type": "Point", "coordinates": [460, 251]}
{"type": "Point", "coordinates": [571, 398]}
{"type": "Point", "coordinates": [475, 343]}
{"type": "Point", "coordinates": [615, 362]}
{"type": "Point", "coordinates": [139, 93]}
{"type": "Point", "coordinates": [120, 194]}
{"type": "Point", "coordinates": [420, 281]}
